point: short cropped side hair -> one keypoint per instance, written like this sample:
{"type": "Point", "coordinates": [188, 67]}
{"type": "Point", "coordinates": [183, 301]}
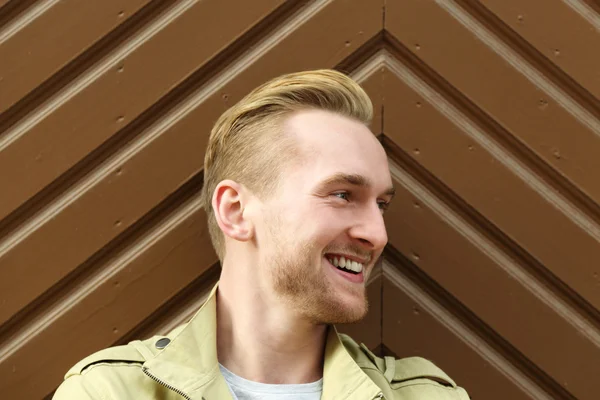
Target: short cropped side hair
{"type": "Point", "coordinates": [247, 145]}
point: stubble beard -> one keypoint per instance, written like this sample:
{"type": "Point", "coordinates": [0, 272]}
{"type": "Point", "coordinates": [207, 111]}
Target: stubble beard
{"type": "Point", "coordinates": [307, 289]}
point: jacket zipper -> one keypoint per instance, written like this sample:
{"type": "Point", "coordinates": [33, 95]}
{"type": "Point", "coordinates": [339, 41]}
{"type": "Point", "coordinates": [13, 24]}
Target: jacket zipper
{"type": "Point", "coordinates": [179, 392]}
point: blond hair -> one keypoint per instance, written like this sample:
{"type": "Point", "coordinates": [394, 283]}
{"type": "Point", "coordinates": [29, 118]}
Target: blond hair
{"type": "Point", "coordinates": [246, 146]}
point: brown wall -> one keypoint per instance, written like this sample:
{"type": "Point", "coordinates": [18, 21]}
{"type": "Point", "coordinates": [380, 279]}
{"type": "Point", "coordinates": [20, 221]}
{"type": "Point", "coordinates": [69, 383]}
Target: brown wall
{"type": "Point", "coordinates": [489, 112]}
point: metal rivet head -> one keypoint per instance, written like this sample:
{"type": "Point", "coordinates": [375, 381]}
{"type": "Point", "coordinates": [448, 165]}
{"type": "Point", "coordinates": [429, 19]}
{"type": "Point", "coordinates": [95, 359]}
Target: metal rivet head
{"type": "Point", "coordinates": [162, 343]}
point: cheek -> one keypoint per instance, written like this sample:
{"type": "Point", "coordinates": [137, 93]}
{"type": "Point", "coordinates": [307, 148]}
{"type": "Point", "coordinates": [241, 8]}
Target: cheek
{"type": "Point", "coordinates": [328, 226]}
{"type": "Point", "coordinates": [316, 224]}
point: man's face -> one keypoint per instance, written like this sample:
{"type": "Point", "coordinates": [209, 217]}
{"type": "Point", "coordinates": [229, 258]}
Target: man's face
{"type": "Point", "coordinates": [329, 205]}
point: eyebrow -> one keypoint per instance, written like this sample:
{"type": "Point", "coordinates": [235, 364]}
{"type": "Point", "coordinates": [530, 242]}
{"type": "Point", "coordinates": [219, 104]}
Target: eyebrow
{"type": "Point", "coordinates": [354, 180]}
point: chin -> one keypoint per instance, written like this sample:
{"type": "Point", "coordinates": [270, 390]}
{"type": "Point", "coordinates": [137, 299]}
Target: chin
{"type": "Point", "coordinates": [344, 309]}
{"type": "Point", "coordinates": [349, 316]}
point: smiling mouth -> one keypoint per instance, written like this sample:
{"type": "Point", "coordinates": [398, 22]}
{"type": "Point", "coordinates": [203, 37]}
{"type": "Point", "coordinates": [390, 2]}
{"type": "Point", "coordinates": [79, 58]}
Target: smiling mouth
{"type": "Point", "coordinates": [346, 265]}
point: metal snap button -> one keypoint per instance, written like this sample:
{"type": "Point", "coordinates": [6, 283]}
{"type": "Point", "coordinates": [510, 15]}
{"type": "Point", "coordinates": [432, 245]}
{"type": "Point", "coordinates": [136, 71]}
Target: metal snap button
{"type": "Point", "coordinates": [162, 343]}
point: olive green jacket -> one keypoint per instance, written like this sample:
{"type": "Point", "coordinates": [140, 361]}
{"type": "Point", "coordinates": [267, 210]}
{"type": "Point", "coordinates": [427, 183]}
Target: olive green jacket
{"type": "Point", "coordinates": [184, 365]}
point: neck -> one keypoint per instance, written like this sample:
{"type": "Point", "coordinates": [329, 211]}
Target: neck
{"type": "Point", "coordinates": [262, 340]}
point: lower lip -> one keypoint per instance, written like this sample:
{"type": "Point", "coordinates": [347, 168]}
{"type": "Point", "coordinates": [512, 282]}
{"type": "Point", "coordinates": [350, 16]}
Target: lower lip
{"type": "Point", "coordinates": [354, 278]}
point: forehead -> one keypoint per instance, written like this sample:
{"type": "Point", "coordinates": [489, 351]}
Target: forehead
{"type": "Point", "coordinates": [330, 143]}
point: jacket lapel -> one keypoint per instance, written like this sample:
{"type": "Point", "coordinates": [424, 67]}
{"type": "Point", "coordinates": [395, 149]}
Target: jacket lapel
{"type": "Point", "coordinates": [342, 377]}
{"type": "Point", "coordinates": [189, 363]}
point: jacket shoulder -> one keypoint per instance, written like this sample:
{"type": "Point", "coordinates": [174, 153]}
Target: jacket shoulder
{"type": "Point", "coordinates": [111, 355]}
{"type": "Point", "coordinates": [115, 372]}
{"type": "Point", "coordinates": [418, 367]}
{"type": "Point", "coordinates": [396, 374]}
{"type": "Point", "coordinates": [136, 352]}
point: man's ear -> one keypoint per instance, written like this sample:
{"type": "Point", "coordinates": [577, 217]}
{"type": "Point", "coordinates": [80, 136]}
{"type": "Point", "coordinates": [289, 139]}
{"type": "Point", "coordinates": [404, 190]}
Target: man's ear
{"type": "Point", "coordinates": [228, 204]}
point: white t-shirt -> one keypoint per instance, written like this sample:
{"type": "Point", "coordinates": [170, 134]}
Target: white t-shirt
{"type": "Point", "coordinates": [243, 389]}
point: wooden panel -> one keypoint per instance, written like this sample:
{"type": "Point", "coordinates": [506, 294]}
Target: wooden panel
{"type": "Point", "coordinates": [567, 47]}
{"type": "Point", "coordinates": [530, 106]}
{"type": "Point", "coordinates": [115, 92]}
{"type": "Point", "coordinates": [30, 40]}
{"type": "Point", "coordinates": [494, 181]}
{"type": "Point", "coordinates": [411, 329]}
{"type": "Point", "coordinates": [498, 205]}
{"type": "Point", "coordinates": [494, 285]}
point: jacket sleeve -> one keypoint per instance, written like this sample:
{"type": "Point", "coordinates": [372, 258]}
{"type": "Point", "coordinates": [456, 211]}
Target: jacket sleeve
{"type": "Point", "coordinates": [77, 387]}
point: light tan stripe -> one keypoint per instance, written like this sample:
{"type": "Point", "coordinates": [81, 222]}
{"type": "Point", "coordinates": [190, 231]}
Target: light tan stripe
{"type": "Point", "coordinates": [586, 12]}
{"type": "Point", "coordinates": [25, 19]}
{"type": "Point", "coordinates": [369, 67]}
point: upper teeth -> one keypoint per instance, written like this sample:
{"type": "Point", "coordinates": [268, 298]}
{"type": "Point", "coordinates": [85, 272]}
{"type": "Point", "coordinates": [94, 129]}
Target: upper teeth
{"type": "Point", "coordinates": [346, 263]}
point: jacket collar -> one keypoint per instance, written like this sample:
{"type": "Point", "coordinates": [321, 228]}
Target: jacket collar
{"type": "Point", "coordinates": [189, 363]}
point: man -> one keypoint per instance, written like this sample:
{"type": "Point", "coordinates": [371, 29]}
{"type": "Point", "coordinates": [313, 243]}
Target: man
{"type": "Point", "coordinates": [295, 187]}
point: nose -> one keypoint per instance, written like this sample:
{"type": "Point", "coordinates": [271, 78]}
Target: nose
{"type": "Point", "coordinates": [369, 229]}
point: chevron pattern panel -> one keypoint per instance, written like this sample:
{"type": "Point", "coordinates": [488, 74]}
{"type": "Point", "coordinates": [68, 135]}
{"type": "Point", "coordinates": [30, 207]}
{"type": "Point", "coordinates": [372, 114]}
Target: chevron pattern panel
{"type": "Point", "coordinates": [489, 111]}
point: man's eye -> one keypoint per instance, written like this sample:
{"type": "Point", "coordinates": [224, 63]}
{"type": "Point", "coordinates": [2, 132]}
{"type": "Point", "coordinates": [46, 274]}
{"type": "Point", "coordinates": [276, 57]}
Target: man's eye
{"type": "Point", "coordinates": [342, 195]}
{"type": "Point", "coordinates": [383, 205]}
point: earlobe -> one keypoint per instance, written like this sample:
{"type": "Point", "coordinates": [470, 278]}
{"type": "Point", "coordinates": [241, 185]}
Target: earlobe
{"type": "Point", "coordinates": [228, 205]}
